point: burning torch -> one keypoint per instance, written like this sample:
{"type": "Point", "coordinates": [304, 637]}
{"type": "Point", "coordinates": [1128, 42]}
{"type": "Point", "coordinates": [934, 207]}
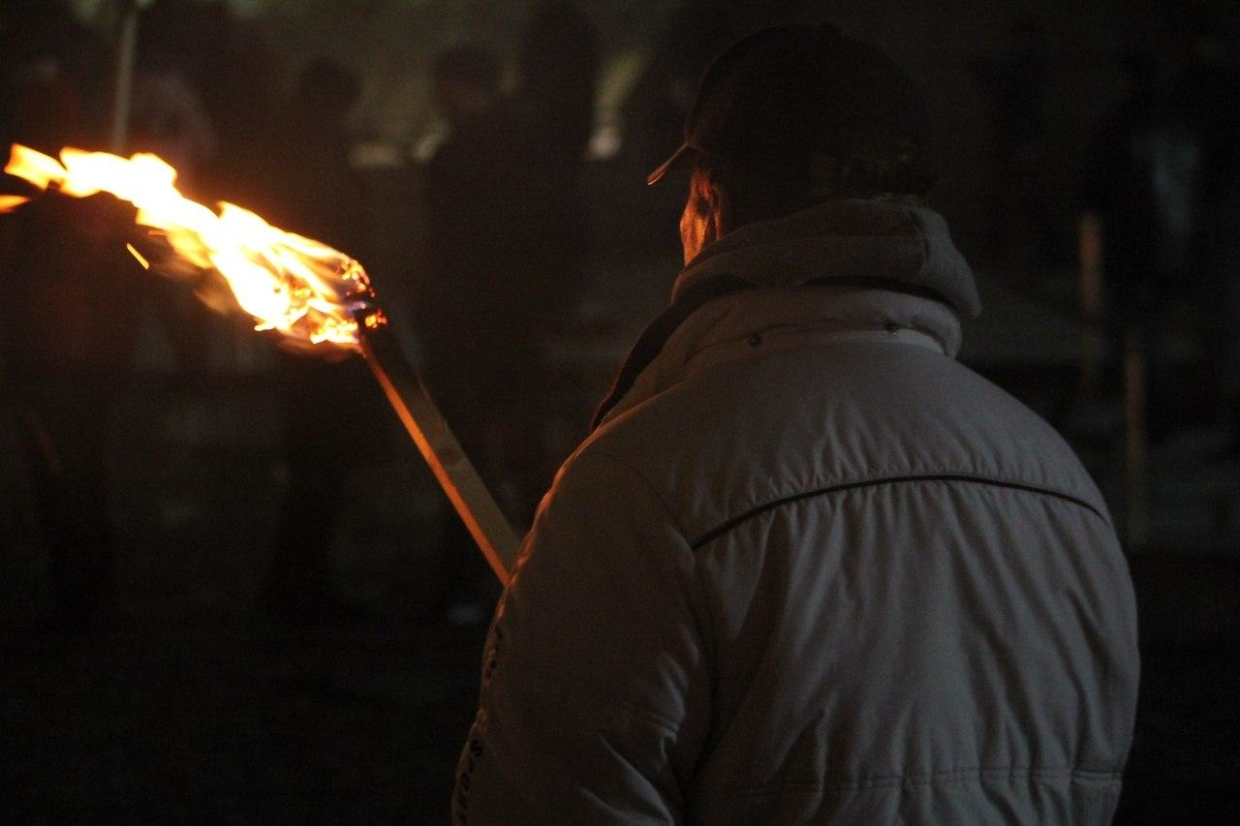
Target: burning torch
{"type": "Point", "coordinates": [316, 296]}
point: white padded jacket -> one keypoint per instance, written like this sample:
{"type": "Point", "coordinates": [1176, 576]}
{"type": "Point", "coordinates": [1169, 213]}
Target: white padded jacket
{"type": "Point", "coordinates": [810, 569]}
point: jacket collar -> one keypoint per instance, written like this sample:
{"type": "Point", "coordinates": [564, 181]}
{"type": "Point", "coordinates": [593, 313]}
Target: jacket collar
{"type": "Point", "coordinates": [881, 263]}
{"type": "Point", "coordinates": [843, 239]}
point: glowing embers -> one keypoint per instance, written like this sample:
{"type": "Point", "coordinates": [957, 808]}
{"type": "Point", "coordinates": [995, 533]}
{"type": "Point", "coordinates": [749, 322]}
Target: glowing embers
{"type": "Point", "coordinates": [287, 282]}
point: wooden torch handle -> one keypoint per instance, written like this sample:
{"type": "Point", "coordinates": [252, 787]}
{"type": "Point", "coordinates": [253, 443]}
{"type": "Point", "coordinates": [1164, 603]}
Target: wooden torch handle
{"type": "Point", "coordinates": [441, 450]}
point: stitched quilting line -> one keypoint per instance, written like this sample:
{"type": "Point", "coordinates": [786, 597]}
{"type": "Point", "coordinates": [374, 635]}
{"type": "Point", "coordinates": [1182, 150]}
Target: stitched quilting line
{"type": "Point", "coordinates": [733, 522]}
{"type": "Point", "coordinates": [929, 778]}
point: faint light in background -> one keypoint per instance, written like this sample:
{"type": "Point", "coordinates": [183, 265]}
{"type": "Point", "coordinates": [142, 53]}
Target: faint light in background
{"type": "Point", "coordinates": [425, 147]}
{"type": "Point", "coordinates": [246, 8]}
{"type": "Point", "coordinates": [605, 142]}
{"type": "Point", "coordinates": [378, 154]}
{"type": "Point", "coordinates": [616, 80]}
{"type": "Point", "coordinates": [92, 10]}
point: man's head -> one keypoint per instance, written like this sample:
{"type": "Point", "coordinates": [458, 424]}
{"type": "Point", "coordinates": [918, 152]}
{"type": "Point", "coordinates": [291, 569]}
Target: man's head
{"type": "Point", "coordinates": [794, 115]}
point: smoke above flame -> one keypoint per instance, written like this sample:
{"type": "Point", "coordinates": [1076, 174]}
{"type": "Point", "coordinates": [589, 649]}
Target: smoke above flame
{"type": "Point", "coordinates": [287, 282]}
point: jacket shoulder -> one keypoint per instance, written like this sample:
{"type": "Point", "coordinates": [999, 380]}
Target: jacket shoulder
{"type": "Point", "coordinates": [730, 439]}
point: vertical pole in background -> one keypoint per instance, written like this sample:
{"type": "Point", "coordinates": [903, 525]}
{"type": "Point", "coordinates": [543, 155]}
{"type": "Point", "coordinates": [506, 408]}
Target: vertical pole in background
{"type": "Point", "coordinates": [1093, 354]}
{"type": "Point", "coordinates": [122, 94]}
{"type": "Point", "coordinates": [1093, 336]}
{"type": "Point", "coordinates": [1134, 437]}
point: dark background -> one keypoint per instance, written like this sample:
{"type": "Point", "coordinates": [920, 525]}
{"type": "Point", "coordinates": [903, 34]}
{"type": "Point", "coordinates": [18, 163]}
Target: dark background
{"type": "Point", "coordinates": [190, 703]}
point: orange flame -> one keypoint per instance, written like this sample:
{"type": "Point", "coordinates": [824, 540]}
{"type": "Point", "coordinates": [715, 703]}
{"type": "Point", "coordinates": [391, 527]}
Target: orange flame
{"type": "Point", "coordinates": [285, 281]}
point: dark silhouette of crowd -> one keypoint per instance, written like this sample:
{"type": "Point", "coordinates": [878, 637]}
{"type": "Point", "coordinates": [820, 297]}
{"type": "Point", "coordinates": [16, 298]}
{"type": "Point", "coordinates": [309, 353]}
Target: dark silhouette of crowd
{"type": "Point", "coordinates": [1161, 179]}
{"type": "Point", "coordinates": [506, 231]}
{"type": "Point", "coordinates": [1211, 91]}
{"type": "Point", "coordinates": [335, 418]}
{"type": "Point", "coordinates": [70, 310]}
{"type": "Point", "coordinates": [487, 249]}
{"type": "Point", "coordinates": [76, 300]}
{"type": "Point", "coordinates": [507, 241]}
{"type": "Point", "coordinates": [1015, 87]}
{"type": "Point", "coordinates": [507, 245]}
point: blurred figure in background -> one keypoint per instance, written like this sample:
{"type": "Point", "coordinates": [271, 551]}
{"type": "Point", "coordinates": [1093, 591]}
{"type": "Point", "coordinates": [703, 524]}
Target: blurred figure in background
{"type": "Point", "coordinates": [231, 65]}
{"type": "Point", "coordinates": [1015, 88]}
{"type": "Point", "coordinates": [469, 309]}
{"type": "Point", "coordinates": [1210, 95]}
{"type": "Point", "coordinates": [312, 187]}
{"type": "Point", "coordinates": [1143, 182]}
{"type": "Point", "coordinates": [50, 83]}
{"type": "Point", "coordinates": [68, 322]}
{"type": "Point", "coordinates": [70, 309]}
{"type": "Point", "coordinates": [558, 71]}
{"type": "Point", "coordinates": [168, 117]}
{"type": "Point", "coordinates": [335, 417]}
{"type": "Point", "coordinates": [458, 315]}
{"type": "Point", "coordinates": [205, 65]}
{"type": "Point", "coordinates": [506, 240]}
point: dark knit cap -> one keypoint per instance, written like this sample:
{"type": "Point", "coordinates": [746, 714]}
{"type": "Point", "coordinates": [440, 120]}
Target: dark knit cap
{"type": "Point", "coordinates": [778, 96]}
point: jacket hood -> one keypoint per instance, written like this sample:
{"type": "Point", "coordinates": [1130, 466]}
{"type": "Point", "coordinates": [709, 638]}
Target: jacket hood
{"type": "Point", "coordinates": [841, 266]}
{"type": "Point", "coordinates": [848, 239]}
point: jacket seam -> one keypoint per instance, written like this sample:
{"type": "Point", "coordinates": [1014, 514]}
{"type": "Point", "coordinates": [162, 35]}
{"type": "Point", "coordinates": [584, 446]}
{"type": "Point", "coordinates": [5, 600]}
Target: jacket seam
{"type": "Point", "coordinates": [667, 724]}
{"type": "Point", "coordinates": [735, 521]}
{"type": "Point", "coordinates": [654, 491]}
{"type": "Point", "coordinates": [951, 776]}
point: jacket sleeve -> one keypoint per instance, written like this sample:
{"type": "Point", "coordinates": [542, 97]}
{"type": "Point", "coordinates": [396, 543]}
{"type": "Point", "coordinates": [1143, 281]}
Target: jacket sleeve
{"type": "Point", "coordinates": [595, 695]}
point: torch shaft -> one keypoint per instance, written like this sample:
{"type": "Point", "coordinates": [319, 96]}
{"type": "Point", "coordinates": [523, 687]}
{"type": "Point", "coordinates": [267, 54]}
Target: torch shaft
{"type": "Point", "coordinates": [441, 450]}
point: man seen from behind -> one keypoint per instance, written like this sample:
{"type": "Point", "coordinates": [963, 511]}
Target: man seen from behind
{"type": "Point", "coordinates": [808, 568]}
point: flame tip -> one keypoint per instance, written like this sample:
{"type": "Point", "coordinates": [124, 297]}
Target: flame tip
{"type": "Point", "coordinates": [277, 277]}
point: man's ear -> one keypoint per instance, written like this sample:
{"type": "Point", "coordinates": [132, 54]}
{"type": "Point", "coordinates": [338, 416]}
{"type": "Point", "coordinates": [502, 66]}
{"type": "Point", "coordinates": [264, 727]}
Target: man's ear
{"type": "Point", "coordinates": [721, 207]}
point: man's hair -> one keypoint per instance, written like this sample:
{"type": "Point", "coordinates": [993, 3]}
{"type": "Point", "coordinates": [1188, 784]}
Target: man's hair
{"type": "Point", "coordinates": [869, 159]}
